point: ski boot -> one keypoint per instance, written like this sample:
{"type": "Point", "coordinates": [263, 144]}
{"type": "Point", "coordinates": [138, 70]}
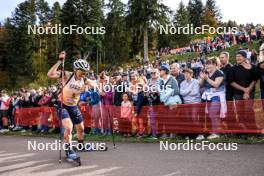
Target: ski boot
{"type": "Point", "coordinates": [71, 156]}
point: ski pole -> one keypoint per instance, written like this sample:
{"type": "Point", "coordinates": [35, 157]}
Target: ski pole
{"type": "Point", "coordinates": [111, 126]}
{"type": "Point", "coordinates": [60, 112]}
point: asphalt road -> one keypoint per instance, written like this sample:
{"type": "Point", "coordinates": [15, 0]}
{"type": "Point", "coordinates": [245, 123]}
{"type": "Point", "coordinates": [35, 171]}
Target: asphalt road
{"type": "Point", "coordinates": [135, 159]}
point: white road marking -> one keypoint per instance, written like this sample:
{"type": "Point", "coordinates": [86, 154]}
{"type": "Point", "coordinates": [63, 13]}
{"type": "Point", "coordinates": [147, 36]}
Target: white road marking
{"type": "Point", "coordinates": [28, 170]}
{"type": "Point", "coordinates": [64, 170]}
{"type": "Point", "coordinates": [7, 154]}
{"type": "Point", "coordinates": [100, 171]}
{"type": "Point", "coordinates": [173, 173]}
{"type": "Point", "coordinates": [3, 159]}
{"type": "Point", "coordinates": [17, 166]}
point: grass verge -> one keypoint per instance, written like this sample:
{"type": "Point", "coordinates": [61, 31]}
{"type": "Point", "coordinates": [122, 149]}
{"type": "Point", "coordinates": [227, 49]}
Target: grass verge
{"type": "Point", "coordinates": [251, 139]}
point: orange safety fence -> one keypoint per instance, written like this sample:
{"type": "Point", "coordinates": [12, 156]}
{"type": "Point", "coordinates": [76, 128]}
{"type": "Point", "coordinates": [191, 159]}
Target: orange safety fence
{"type": "Point", "coordinates": [245, 116]}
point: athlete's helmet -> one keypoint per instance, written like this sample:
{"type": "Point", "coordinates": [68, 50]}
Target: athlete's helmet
{"type": "Point", "coordinates": [81, 64]}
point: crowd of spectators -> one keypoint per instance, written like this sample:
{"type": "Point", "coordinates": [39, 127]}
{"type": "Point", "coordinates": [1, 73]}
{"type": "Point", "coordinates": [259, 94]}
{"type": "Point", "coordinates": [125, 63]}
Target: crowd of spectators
{"type": "Point", "coordinates": [216, 43]}
{"type": "Point", "coordinates": [210, 80]}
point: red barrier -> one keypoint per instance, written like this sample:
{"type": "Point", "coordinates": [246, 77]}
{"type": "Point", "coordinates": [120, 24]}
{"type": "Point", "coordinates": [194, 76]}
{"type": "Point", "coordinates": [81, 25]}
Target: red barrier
{"type": "Point", "coordinates": [240, 117]}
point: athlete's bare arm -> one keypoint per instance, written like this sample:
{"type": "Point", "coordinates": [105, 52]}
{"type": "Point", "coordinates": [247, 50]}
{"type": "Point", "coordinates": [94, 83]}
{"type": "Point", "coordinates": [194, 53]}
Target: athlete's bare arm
{"type": "Point", "coordinates": [54, 72]}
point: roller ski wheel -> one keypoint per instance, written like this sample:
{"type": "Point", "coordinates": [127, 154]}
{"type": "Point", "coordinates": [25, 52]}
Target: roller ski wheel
{"type": "Point", "coordinates": [72, 157]}
{"type": "Point", "coordinates": [76, 162]}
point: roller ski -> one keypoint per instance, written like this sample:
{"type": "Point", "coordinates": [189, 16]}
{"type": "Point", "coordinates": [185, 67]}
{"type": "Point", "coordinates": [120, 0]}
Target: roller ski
{"type": "Point", "coordinates": [72, 157]}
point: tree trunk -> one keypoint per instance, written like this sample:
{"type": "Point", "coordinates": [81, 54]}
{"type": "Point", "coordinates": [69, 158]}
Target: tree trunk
{"type": "Point", "coordinates": [146, 59]}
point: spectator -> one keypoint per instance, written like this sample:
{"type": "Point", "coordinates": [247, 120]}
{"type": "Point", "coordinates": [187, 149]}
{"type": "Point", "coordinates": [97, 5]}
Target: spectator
{"type": "Point", "coordinates": [169, 94]}
{"type": "Point", "coordinates": [140, 114]}
{"type": "Point", "coordinates": [169, 87]}
{"type": "Point", "coordinates": [190, 92]}
{"type": "Point", "coordinates": [125, 123]}
{"type": "Point", "coordinates": [243, 77]}
{"type": "Point", "coordinates": [44, 115]}
{"type": "Point", "coordinates": [254, 57]}
{"type": "Point", "coordinates": [230, 120]}
{"type": "Point", "coordinates": [107, 102]}
{"type": "Point", "coordinates": [5, 102]}
{"type": "Point", "coordinates": [261, 70]}
{"type": "Point", "coordinates": [212, 80]}
{"type": "Point", "coordinates": [125, 82]}
{"type": "Point", "coordinates": [133, 86]}
{"type": "Point", "coordinates": [11, 110]}
{"type": "Point", "coordinates": [16, 102]}
{"type": "Point", "coordinates": [176, 72]}
{"type": "Point", "coordinates": [153, 99]}
{"type": "Point", "coordinates": [117, 93]}
{"type": "Point", "coordinates": [85, 98]}
{"type": "Point", "coordinates": [190, 88]}
{"type": "Point", "coordinates": [96, 107]}
{"type": "Point", "coordinates": [225, 68]}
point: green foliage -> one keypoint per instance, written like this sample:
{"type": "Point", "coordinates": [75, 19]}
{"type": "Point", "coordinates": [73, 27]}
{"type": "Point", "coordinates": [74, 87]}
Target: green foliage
{"type": "Point", "coordinates": [182, 19]}
{"type": "Point", "coordinates": [209, 18]}
{"type": "Point", "coordinates": [70, 16]}
{"type": "Point", "coordinates": [54, 46]}
{"type": "Point", "coordinates": [195, 10]}
{"type": "Point", "coordinates": [43, 11]}
{"type": "Point", "coordinates": [117, 40]}
{"type": "Point", "coordinates": [232, 51]}
{"type": "Point", "coordinates": [19, 43]}
{"type": "Point", "coordinates": [211, 6]}
{"type": "Point", "coordinates": [142, 15]}
{"type": "Point", "coordinates": [130, 29]}
{"type": "Point", "coordinates": [85, 13]}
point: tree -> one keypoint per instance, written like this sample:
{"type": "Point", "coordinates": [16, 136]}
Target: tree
{"type": "Point", "coordinates": [195, 11]}
{"type": "Point", "coordinates": [43, 11]}
{"type": "Point", "coordinates": [70, 16]}
{"type": "Point", "coordinates": [40, 61]}
{"type": "Point", "coordinates": [19, 43]}
{"type": "Point", "coordinates": [83, 13]}
{"type": "Point", "coordinates": [92, 15]}
{"type": "Point", "coordinates": [117, 40]}
{"type": "Point", "coordinates": [54, 40]}
{"type": "Point", "coordinates": [181, 18]}
{"type": "Point", "coordinates": [209, 18]}
{"type": "Point", "coordinates": [210, 5]}
{"type": "Point", "coordinates": [143, 14]}
{"type": "Point", "coordinates": [3, 49]}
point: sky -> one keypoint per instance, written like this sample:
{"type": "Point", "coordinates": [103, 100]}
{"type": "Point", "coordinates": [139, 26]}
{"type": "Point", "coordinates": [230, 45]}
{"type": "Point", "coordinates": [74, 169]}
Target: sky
{"type": "Point", "coordinates": [246, 11]}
